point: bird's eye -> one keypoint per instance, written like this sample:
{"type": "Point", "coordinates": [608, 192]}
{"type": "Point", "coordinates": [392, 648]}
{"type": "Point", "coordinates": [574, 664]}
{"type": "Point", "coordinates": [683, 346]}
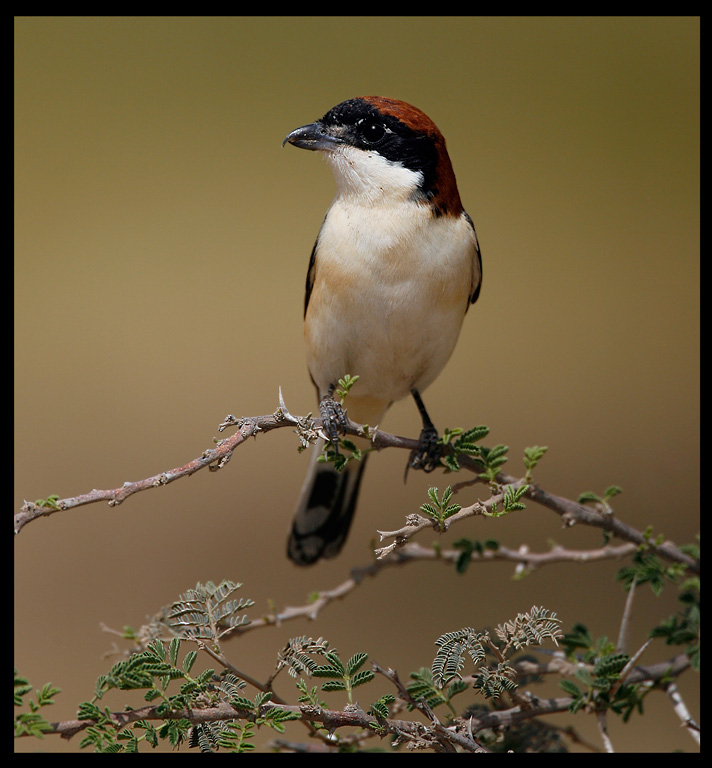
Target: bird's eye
{"type": "Point", "coordinates": [372, 132]}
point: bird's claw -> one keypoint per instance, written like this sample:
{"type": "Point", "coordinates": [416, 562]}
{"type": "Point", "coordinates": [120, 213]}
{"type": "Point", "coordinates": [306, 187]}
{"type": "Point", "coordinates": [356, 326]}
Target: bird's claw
{"type": "Point", "coordinates": [427, 455]}
{"type": "Point", "coordinates": [333, 418]}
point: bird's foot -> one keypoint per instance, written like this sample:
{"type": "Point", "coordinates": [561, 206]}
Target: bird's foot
{"type": "Point", "coordinates": [333, 418]}
{"type": "Point", "coordinates": [427, 455]}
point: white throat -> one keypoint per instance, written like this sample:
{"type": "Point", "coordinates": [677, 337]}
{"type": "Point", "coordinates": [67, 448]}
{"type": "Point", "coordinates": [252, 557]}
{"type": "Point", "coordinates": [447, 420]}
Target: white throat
{"type": "Point", "coordinates": [366, 177]}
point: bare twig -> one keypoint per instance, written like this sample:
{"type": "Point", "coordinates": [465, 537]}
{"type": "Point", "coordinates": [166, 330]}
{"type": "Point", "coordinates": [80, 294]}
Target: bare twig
{"type": "Point", "coordinates": [633, 661]}
{"type": "Point", "coordinates": [624, 631]}
{"type": "Point", "coordinates": [522, 556]}
{"type": "Point", "coordinates": [217, 656]}
{"type": "Point", "coordinates": [410, 553]}
{"type": "Point", "coordinates": [602, 721]}
{"type": "Point", "coordinates": [414, 552]}
{"type": "Point", "coordinates": [681, 710]}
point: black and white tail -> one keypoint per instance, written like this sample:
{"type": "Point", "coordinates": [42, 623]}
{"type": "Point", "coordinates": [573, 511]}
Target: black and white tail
{"type": "Point", "coordinates": [325, 509]}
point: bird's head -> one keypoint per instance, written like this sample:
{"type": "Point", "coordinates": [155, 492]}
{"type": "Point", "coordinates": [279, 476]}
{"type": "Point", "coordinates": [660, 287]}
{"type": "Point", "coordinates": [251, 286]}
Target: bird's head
{"type": "Point", "coordinates": [382, 148]}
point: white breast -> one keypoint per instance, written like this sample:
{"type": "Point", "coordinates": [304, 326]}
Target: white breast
{"type": "Point", "coordinates": [391, 287]}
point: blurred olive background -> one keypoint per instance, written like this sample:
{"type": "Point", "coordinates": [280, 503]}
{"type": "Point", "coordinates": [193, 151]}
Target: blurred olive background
{"type": "Point", "coordinates": [162, 237]}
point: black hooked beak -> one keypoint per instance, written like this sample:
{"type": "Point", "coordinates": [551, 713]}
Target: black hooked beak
{"type": "Point", "coordinates": [313, 136]}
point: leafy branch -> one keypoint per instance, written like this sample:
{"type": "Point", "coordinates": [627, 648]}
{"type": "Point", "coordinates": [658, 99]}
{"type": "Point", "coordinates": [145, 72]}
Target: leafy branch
{"type": "Point", "coordinates": [531, 628]}
{"type": "Point", "coordinates": [32, 723]}
{"type": "Point", "coordinates": [440, 509]}
{"type": "Point", "coordinates": [207, 612]}
{"type": "Point", "coordinates": [211, 710]}
{"type": "Point", "coordinates": [343, 677]}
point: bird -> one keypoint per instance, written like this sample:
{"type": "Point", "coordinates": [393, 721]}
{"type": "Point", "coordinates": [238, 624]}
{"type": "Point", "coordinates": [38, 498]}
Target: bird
{"type": "Point", "coordinates": [394, 269]}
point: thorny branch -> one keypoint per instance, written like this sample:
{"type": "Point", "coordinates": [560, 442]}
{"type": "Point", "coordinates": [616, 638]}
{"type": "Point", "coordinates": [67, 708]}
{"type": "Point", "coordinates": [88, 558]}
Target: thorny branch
{"type": "Point", "coordinates": [413, 552]}
{"type": "Point", "coordinates": [432, 735]}
{"type": "Point", "coordinates": [309, 429]}
{"type": "Point", "coordinates": [417, 734]}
